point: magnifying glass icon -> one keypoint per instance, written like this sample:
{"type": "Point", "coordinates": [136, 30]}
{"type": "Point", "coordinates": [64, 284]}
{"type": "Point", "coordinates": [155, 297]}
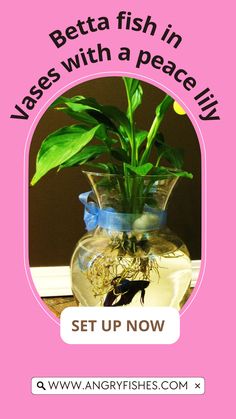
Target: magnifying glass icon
{"type": "Point", "coordinates": [41, 385]}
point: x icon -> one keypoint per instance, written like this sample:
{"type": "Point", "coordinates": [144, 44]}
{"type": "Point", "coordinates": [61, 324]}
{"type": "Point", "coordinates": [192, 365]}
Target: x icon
{"type": "Point", "coordinates": [197, 385]}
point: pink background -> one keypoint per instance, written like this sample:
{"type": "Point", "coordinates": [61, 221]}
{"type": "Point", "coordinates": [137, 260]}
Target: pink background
{"type": "Point", "coordinates": [32, 344]}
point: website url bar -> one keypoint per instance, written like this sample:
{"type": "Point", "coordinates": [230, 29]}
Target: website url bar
{"type": "Point", "coordinates": [118, 385]}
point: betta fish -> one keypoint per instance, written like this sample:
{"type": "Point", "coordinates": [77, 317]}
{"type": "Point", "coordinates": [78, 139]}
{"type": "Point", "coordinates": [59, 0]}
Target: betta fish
{"type": "Point", "coordinates": [126, 290]}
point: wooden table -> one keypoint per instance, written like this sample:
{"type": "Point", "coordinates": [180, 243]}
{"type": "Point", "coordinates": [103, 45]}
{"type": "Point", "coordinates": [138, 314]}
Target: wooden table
{"type": "Point", "coordinates": [57, 304]}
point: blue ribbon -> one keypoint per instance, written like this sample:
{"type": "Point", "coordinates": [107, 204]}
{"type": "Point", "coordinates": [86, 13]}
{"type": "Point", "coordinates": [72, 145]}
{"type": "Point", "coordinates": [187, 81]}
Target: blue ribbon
{"type": "Point", "coordinates": [109, 219]}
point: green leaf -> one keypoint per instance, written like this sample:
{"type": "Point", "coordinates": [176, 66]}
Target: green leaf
{"type": "Point", "coordinates": [82, 106]}
{"type": "Point", "coordinates": [61, 146]}
{"type": "Point", "coordinates": [174, 156]}
{"type": "Point", "coordinates": [137, 98]}
{"type": "Point", "coordinates": [81, 116]}
{"type": "Point", "coordinates": [102, 118]}
{"type": "Point", "coordinates": [140, 136]}
{"type": "Point", "coordinates": [166, 172]}
{"type": "Point", "coordinates": [59, 134]}
{"type": "Point", "coordinates": [88, 153]}
{"type": "Point", "coordinates": [140, 170]}
{"type": "Point", "coordinates": [132, 84]}
{"type": "Point", "coordinates": [75, 103]}
{"type": "Point", "coordinates": [88, 110]}
{"type": "Point", "coordinates": [93, 108]}
{"type": "Point", "coordinates": [134, 93]}
{"type": "Point", "coordinates": [88, 119]}
{"type": "Point", "coordinates": [162, 108]}
{"type": "Point", "coordinates": [117, 116]}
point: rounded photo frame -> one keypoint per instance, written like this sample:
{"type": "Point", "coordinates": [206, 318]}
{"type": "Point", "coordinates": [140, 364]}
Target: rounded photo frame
{"type": "Point", "coordinates": [39, 202]}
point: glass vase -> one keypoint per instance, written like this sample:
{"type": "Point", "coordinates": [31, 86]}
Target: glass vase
{"type": "Point", "coordinates": [129, 257]}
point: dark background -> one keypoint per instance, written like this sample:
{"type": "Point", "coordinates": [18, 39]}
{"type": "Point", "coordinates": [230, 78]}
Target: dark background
{"type": "Point", "coordinates": [55, 214]}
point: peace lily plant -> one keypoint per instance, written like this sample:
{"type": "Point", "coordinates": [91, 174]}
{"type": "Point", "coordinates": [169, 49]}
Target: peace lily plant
{"type": "Point", "coordinates": [106, 130]}
{"type": "Point", "coordinates": [133, 259]}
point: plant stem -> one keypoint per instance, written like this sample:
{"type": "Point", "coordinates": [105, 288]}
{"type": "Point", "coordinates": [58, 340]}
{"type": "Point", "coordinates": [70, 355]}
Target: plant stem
{"type": "Point", "coordinates": [130, 183]}
{"type": "Point", "coordinates": [133, 143]}
{"type": "Point", "coordinates": [132, 134]}
{"type": "Point", "coordinates": [150, 139]}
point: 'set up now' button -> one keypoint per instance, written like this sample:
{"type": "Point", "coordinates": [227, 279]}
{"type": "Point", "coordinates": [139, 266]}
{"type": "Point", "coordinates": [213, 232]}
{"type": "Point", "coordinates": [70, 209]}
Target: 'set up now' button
{"type": "Point", "coordinates": [119, 325]}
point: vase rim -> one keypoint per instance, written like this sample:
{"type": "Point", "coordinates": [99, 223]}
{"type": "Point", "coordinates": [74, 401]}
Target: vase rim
{"type": "Point", "coordinates": [115, 175]}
